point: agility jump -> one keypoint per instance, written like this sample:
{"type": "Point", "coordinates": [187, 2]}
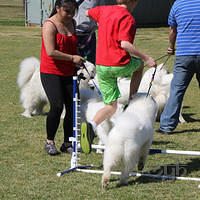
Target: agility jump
{"type": "Point", "coordinates": [76, 147]}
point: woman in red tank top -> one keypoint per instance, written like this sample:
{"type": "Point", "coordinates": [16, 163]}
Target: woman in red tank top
{"type": "Point", "coordinates": [58, 61]}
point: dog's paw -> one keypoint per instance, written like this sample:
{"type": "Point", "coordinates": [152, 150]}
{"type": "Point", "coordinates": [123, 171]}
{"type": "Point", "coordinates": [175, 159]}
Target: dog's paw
{"type": "Point", "coordinates": [99, 151]}
{"type": "Point", "coordinates": [105, 183]}
{"type": "Point", "coordinates": [181, 119]}
{"type": "Point", "coordinates": [27, 115]}
{"type": "Point", "coordinates": [38, 112]}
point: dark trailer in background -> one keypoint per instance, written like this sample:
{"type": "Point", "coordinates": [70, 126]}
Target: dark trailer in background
{"type": "Point", "coordinates": [148, 13]}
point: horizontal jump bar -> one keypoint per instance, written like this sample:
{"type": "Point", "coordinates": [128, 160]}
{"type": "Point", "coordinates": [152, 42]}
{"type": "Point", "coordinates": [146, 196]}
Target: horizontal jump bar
{"type": "Point", "coordinates": [154, 151]}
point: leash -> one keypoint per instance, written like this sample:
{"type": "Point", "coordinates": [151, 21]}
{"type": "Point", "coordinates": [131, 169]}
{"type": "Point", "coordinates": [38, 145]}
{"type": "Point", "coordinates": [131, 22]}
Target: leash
{"type": "Point", "coordinates": [160, 58]}
{"type": "Point", "coordinates": [165, 62]}
{"type": "Point", "coordinates": [153, 75]}
{"type": "Point", "coordinates": [97, 89]}
{"type": "Point", "coordinates": [88, 40]}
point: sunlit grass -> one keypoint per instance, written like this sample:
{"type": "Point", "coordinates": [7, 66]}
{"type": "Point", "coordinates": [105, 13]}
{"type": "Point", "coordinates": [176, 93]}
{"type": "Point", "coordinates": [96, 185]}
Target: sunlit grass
{"type": "Point", "coordinates": [27, 172]}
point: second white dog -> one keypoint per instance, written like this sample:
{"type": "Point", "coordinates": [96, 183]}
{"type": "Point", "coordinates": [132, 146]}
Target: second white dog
{"type": "Point", "coordinates": [159, 90]}
{"type": "Point", "coordinates": [130, 139]}
{"type": "Point", "coordinates": [32, 95]}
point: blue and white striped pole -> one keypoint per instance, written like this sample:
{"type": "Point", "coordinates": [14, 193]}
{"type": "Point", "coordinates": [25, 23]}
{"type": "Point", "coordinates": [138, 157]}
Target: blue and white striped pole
{"type": "Point", "coordinates": [74, 158]}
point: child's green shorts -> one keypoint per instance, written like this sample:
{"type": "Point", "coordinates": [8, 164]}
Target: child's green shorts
{"type": "Point", "coordinates": [107, 77]}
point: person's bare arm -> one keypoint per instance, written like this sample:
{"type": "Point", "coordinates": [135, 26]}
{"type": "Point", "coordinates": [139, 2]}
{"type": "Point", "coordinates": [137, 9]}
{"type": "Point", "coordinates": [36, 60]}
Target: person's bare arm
{"type": "Point", "coordinates": [131, 49]}
{"type": "Point", "coordinates": [172, 40]}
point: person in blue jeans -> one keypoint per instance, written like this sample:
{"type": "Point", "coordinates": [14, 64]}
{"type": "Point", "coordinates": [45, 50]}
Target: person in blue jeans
{"type": "Point", "coordinates": [184, 31]}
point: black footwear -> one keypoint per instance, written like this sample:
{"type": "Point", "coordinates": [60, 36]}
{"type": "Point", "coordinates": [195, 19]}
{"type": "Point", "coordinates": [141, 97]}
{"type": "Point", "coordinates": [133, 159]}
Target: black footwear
{"type": "Point", "coordinates": [163, 132]}
{"type": "Point", "coordinates": [87, 137]}
{"type": "Point", "coordinates": [51, 149]}
{"type": "Point", "coordinates": [66, 147]}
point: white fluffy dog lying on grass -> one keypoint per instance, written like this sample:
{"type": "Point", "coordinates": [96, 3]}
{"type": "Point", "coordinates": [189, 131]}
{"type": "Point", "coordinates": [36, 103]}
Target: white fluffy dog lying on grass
{"type": "Point", "coordinates": [129, 140]}
{"type": "Point", "coordinates": [32, 95]}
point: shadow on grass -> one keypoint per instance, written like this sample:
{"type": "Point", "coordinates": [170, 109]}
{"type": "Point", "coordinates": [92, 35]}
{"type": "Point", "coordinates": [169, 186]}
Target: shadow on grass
{"type": "Point", "coordinates": [193, 165]}
{"type": "Point", "coordinates": [187, 131]}
{"type": "Point", "coordinates": [161, 142]}
{"type": "Point", "coordinates": [174, 170]}
{"type": "Point", "coordinates": [188, 117]}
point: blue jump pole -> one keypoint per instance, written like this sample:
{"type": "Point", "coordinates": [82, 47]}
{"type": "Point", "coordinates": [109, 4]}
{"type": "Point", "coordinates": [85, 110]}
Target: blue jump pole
{"type": "Point", "coordinates": [76, 105]}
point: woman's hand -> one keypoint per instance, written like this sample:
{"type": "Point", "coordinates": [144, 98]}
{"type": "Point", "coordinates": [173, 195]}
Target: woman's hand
{"type": "Point", "coordinates": [77, 59]}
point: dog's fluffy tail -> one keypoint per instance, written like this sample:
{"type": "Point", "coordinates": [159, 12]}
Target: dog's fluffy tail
{"type": "Point", "coordinates": [27, 68]}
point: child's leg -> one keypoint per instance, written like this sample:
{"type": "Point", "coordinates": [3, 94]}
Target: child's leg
{"type": "Point", "coordinates": [105, 113]}
{"type": "Point", "coordinates": [110, 93]}
{"type": "Point", "coordinates": [87, 129]}
{"type": "Point", "coordinates": [135, 80]}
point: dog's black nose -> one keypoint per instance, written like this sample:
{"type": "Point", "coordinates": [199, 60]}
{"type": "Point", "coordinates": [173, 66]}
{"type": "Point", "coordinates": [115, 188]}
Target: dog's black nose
{"type": "Point", "coordinates": [81, 76]}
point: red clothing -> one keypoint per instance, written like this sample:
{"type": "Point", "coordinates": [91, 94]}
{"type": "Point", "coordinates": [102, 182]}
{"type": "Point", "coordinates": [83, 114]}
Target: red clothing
{"type": "Point", "coordinates": [115, 24]}
{"type": "Point", "coordinates": [65, 44]}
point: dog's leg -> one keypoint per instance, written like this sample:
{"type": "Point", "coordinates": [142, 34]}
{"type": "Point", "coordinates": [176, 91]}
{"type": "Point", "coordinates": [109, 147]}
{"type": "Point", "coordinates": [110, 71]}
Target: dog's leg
{"type": "Point", "coordinates": [181, 119]}
{"type": "Point", "coordinates": [108, 163]}
{"type": "Point", "coordinates": [29, 104]}
{"type": "Point", "coordinates": [27, 109]}
{"type": "Point", "coordinates": [100, 151]}
{"type": "Point", "coordinates": [143, 155]}
{"type": "Point", "coordinates": [27, 113]}
{"type": "Point", "coordinates": [112, 156]}
{"type": "Point", "coordinates": [129, 162]}
{"type": "Point", "coordinates": [102, 132]}
{"type": "Point", "coordinates": [39, 109]}
{"type": "Point", "coordinates": [124, 175]}
{"type": "Point", "coordinates": [106, 178]}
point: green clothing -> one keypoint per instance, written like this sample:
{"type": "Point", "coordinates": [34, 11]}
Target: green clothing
{"type": "Point", "coordinates": [107, 77]}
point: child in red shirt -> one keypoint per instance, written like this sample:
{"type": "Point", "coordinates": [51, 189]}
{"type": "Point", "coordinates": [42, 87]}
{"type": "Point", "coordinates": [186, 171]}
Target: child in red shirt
{"type": "Point", "coordinates": [116, 32]}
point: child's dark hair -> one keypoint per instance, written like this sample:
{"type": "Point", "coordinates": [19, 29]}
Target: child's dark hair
{"type": "Point", "coordinates": [60, 3]}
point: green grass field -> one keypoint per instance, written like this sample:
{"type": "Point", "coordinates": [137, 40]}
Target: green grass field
{"type": "Point", "coordinates": [28, 173]}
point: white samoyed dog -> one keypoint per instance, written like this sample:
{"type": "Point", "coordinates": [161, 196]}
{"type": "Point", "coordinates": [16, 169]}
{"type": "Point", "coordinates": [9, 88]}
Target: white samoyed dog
{"type": "Point", "coordinates": [32, 95]}
{"type": "Point", "coordinates": [159, 90]}
{"type": "Point", "coordinates": [128, 142]}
